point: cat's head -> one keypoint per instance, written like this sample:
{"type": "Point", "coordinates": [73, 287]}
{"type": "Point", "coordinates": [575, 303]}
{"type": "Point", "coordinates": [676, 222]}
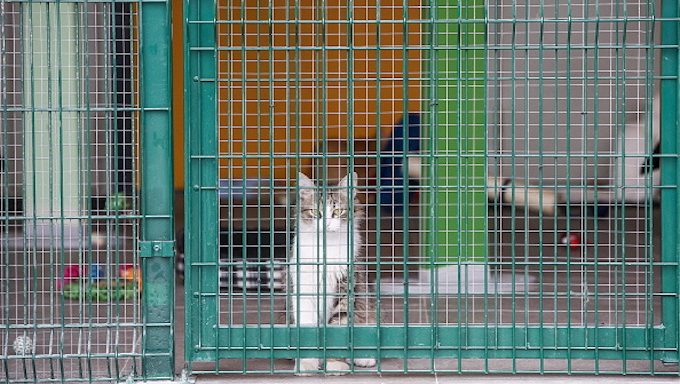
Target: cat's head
{"type": "Point", "coordinates": [331, 212]}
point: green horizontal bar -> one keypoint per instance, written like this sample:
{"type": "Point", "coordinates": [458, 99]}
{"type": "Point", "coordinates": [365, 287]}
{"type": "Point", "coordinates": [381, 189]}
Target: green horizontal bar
{"type": "Point", "coordinates": [447, 341]}
{"type": "Point", "coordinates": [441, 154]}
{"type": "Point", "coordinates": [442, 47]}
{"type": "Point", "coordinates": [411, 369]}
{"type": "Point", "coordinates": [443, 21]}
{"type": "Point", "coordinates": [450, 77]}
{"type": "Point", "coordinates": [366, 79]}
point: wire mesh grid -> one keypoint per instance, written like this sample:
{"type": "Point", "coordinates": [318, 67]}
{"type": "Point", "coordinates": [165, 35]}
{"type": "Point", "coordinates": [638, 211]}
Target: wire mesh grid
{"type": "Point", "coordinates": [291, 104]}
{"type": "Point", "coordinates": [70, 277]}
{"type": "Point", "coordinates": [574, 116]}
{"type": "Point", "coordinates": [504, 158]}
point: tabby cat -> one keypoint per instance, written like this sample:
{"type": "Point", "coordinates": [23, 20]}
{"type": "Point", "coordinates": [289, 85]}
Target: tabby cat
{"type": "Point", "coordinates": [328, 245]}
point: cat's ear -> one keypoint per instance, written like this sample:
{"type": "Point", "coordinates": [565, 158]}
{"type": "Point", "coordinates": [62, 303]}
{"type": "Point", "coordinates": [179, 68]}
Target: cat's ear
{"type": "Point", "coordinates": [345, 182]}
{"type": "Point", "coordinates": [305, 186]}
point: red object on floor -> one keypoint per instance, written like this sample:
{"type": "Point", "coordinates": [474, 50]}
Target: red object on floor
{"type": "Point", "coordinates": [573, 240]}
{"type": "Point", "coordinates": [71, 274]}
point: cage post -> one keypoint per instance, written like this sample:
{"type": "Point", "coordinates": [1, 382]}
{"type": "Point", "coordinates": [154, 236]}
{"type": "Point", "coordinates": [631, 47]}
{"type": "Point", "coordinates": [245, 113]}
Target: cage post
{"type": "Point", "coordinates": [53, 181]}
{"type": "Point", "coordinates": [201, 199]}
{"type": "Point", "coordinates": [157, 244]}
{"type": "Point", "coordinates": [670, 175]}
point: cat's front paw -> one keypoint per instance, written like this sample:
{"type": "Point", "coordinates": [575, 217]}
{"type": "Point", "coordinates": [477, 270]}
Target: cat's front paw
{"type": "Point", "coordinates": [365, 362]}
{"type": "Point", "coordinates": [307, 367]}
{"type": "Point", "coordinates": [336, 368]}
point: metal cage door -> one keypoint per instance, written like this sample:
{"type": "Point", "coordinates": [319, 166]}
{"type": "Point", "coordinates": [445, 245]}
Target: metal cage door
{"type": "Point", "coordinates": [490, 244]}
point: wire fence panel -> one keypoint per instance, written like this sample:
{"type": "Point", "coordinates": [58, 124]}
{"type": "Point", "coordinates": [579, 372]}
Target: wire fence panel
{"type": "Point", "coordinates": [71, 218]}
{"type": "Point", "coordinates": [408, 186]}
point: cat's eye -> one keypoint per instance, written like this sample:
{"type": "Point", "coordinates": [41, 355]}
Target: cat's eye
{"type": "Point", "coordinates": [313, 213]}
{"type": "Point", "coordinates": [339, 212]}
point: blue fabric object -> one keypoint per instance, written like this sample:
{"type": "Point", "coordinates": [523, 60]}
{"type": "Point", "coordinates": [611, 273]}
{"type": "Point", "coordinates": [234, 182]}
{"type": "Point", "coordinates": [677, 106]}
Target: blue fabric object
{"type": "Point", "coordinates": [405, 138]}
{"type": "Point", "coordinates": [97, 272]}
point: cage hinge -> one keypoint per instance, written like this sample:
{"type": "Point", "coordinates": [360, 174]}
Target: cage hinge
{"type": "Point", "coordinates": [157, 248]}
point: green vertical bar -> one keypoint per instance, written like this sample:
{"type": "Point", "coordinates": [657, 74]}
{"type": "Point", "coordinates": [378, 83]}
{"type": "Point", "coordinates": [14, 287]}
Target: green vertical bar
{"type": "Point", "coordinates": [459, 172]}
{"type": "Point", "coordinates": [157, 188]}
{"type": "Point", "coordinates": [201, 227]}
{"type": "Point", "coordinates": [670, 73]}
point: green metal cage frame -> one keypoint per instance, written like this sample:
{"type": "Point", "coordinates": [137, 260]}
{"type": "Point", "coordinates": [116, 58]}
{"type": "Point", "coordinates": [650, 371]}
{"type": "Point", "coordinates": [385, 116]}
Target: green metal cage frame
{"type": "Point", "coordinates": [155, 250]}
{"type": "Point", "coordinates": [205, 341]}
{"type": "Point", "coordinates": [157, 245]}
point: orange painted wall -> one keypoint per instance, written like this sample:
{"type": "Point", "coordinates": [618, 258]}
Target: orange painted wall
{"type": "Point", "coordinates": [177, 94]}
{"type": "Point", "coordinates": [272, 96]}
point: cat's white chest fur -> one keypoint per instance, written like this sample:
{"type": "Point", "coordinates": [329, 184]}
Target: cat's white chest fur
{"type": "Point", "coordinates": [332, 247]}
{"type": "Point", "coordinates": [319, 262]}
{"type": "Point", "coordinates": [317, 257]}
